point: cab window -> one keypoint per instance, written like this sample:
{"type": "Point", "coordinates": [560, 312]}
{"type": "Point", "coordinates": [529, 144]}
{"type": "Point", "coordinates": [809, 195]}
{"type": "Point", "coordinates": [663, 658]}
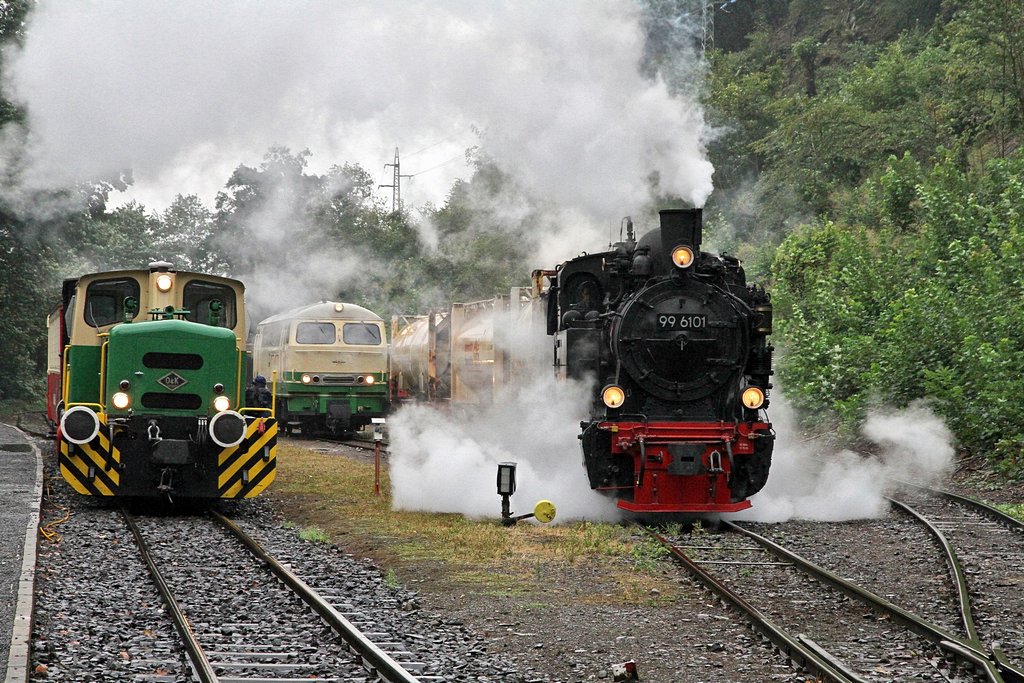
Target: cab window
{"type": "Point", "coordinates": [315, 333]}
{"type": "Point", "coordinates": [361, 333]}
{"type": "Point", "coordinates": [104, 300]}
{"type": "Point", "coordinates": [197, 297]}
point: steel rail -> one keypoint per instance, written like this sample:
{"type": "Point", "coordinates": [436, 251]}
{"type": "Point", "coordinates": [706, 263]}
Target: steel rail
{"type": "Point", "coordinates": [982, 507]}
{"type": "Point", "coordinates": [806, 654]}
{"type": "Point", "coordinates": [949, 642]}
{"type": "Point", "coordinates": [371, 657]}
{"type": "Point", "coordinates": [1010, 671]}
{"type": "Point", "coordinates": [197, 657]}
{"type": "Point", "coordinates": [956, 571]}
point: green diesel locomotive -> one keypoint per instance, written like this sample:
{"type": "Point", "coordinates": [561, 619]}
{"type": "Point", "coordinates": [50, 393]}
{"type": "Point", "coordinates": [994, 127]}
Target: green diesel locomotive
{"type": "Point", "coordinates": [145, 383]}
{"type": "Point", "coordinates": [329, 362]}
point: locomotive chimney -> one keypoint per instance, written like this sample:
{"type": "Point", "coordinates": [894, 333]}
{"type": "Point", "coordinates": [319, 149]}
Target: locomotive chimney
{"type": "Point", "coordinates": [680, 227]}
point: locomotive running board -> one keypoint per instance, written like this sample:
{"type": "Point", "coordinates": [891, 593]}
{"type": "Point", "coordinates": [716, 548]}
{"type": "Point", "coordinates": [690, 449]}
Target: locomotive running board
{"type": "Point", "coordinates": [731, 507]}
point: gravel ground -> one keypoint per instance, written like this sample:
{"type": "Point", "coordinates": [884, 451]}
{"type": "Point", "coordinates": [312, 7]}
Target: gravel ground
{"type": "Point", "coordinates": [558, 633]}
{"type": "Point", "coordinates": [17, 480]}
{"type": "Point", "coordinates": [96, 612]}
{"type": "Point", "coordinates": [893, 557]}
{"type": "Point", "coordinates": [566, 630]}
{"type": "Point", "coordinates": [97, 618]}
{"type": "Point", "coordinates": [992, 557]}
{"type": "Point", "coordinates": [871, 644]}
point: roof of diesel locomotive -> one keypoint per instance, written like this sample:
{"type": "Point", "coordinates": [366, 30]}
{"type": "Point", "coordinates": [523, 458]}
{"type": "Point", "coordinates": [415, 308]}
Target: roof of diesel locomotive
{"type": "Point", "coordinates": [144, 273]}
{"type": "Point", "coordinates": [325, 310]}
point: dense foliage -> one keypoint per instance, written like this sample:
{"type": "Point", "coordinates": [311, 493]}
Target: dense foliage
{"type": "Point", "coordinates": [886, 177]}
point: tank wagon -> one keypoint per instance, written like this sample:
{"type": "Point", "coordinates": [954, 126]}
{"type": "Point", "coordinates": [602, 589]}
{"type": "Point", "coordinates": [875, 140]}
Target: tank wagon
{"type": "Point", "coordinates": [330, 363]}
{"type": "Point", "coordinates": [675, 343]}
{"type": "Point", "coordinates": [145, 382]}
{"type": "Point", "coordinates": [462, 354]}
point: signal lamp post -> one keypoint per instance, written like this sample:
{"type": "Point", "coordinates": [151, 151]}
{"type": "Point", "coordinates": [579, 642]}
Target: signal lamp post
{"type": "Point", "coordinates": [544, 510]}
{"type": "Point", "coordinates": [506, 487]}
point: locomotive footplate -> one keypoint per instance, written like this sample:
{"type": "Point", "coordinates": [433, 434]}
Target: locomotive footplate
{"type": "Point", "coordinates": [684, 467]}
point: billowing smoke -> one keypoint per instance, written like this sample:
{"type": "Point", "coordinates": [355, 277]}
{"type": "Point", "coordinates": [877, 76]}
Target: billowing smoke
{"type": "Point", "coordinates": [445, 459]}
{"type": "Point", "coordinates": [810, 480]}
{"type": "Point", "coordinates": [181, 93]}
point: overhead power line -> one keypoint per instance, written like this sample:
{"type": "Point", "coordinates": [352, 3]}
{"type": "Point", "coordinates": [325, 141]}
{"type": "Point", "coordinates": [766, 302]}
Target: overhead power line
{"type": "Point", "coordinates": [443, 163]}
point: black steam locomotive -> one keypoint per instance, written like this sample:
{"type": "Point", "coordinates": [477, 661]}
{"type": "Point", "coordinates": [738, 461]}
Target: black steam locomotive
{"type": "Point", "coordinates": [676, 341]}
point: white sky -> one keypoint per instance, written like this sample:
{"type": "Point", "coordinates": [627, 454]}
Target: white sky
{"type": "Point", "coordinates": [182, 92]}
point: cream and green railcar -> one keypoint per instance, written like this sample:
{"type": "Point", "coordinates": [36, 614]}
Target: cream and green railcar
{"type": "Point", "coordinates": [146, 385]}
{"type": "Point", "coordinates": [329, 364]}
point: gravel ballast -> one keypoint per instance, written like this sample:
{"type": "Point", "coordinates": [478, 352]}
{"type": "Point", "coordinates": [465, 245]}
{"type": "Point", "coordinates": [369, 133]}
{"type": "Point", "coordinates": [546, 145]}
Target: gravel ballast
{"type": "Point", "coordinates": [570, 627]}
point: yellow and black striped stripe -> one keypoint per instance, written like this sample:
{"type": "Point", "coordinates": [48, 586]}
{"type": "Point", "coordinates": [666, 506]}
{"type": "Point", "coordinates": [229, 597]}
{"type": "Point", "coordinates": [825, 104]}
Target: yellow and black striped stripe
{"type": "Point", "coordinates": [243, 471]}
{"type": "Point", "coordinates": [99, 454]}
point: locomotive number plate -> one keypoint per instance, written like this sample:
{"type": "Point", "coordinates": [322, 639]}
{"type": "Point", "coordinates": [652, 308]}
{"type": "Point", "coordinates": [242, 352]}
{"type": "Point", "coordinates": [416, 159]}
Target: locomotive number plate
{"type": "Point", "coordinates": [682, 321]}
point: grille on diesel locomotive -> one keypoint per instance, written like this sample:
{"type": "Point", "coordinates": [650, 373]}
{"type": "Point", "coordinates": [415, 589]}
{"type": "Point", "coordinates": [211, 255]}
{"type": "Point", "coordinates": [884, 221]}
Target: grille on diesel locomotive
{"type": "Point", "coordinates": [338, 379]}
{"type": "Point", "coordinates": [159, 401]}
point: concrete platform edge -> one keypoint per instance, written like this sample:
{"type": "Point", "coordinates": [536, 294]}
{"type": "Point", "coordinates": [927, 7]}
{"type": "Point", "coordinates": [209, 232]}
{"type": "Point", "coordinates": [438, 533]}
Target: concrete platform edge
{"type": "Point", "coordinates": [19, 661]}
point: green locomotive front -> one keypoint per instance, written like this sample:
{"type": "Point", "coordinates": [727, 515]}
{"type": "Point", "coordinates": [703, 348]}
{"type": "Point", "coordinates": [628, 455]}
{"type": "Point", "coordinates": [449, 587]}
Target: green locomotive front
{"type": "Point", "coordinates": [148, 389]}
{"type": "Point", "coordinates": [329, 364]}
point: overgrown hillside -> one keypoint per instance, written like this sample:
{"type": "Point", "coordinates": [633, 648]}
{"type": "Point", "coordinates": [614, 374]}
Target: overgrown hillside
{"type": "Point", "coordinates": [872, 156]}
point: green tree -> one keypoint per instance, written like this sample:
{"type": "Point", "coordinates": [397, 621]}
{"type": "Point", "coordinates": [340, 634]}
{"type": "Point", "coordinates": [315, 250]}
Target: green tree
{"type": "Point", "coordinates": [183, 235]}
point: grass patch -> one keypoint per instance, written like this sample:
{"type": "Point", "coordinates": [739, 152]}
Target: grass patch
{"type": "Point", "coordinates": [314, 534]}
{"type": "Point", "coordinates": [648, 554]}
{"type": "Point", "coordinates": [334, 495]}
{"type": "Point", "coordinates": [1012, 509]}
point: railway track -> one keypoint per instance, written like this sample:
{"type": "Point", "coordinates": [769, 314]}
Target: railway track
{"type": "Point", "coordinates": [982, 543]}
{"type": "Point", "coordinates": [855, 621]}
{"type": "Point", "coordinates": [245, 617]}
{"type": "Point", "coordinates": [361, 444]}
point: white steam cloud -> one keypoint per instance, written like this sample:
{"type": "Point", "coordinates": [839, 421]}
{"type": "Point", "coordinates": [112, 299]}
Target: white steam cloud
{"type": "Point", "coordinates": [183, 92]}
{"type": "Point", "coordinates": [809, 480]}
{"type": "Point", "coordinates": [447, 461]}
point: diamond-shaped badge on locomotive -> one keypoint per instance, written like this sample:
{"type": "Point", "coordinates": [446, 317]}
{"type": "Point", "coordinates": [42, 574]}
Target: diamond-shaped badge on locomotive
{"type": "Point", "coordinates": [172, 381]}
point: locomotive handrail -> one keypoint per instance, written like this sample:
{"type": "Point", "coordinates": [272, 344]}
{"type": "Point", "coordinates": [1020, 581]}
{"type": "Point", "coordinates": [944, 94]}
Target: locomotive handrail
{"type": "Point", "coordinates": [239, 380]}
{"type": "Point", "coordinates": [103, 370]}
{"type": "Point", "coordinates": [65, 377]}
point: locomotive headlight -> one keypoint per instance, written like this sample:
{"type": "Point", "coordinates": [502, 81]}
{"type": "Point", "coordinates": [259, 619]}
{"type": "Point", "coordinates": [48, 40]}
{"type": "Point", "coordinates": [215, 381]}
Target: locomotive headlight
{"type": "Point", "coordinates": [221, 403]}
{"type": "Point", "coordinates": [370, 379]}
{"type": "Point", "coordinates": [753, 397]}
{"type": "Point", "coordinates": [682, 257]}
{"type": "Point", "coordinates": [164, 282]}
{"type": "Point", "coordinates": [613, 396]}
{"type": "Point", "coordinates": [121, 400]}
{"type": "Point", "coordinates": [306, 379]}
